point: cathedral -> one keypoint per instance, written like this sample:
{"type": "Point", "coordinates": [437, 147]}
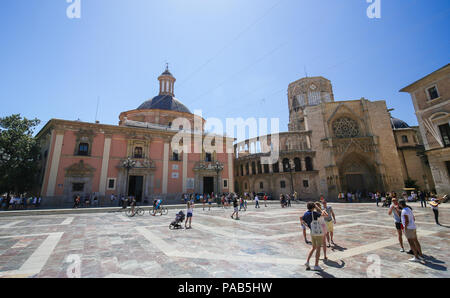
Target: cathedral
{"type": "Point", "coordinates": [332, 147]}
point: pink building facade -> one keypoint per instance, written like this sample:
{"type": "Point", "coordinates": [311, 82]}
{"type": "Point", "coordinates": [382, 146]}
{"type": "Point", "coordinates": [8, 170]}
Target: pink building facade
{"type": "Point", "coordinates": [80, 158]}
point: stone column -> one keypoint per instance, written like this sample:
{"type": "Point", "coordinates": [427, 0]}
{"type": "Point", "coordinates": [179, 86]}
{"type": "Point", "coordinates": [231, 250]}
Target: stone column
{"type": "Point", "coordinates": [165, 168]}
{"type": "Point", "coordinates": [105, 165]}
{"type": "Point", "coordinates": [56, 156]}
{"type": "Point", "coordinates": [230, 173]}
{"type": "Point", "coordinates": [185, 171]}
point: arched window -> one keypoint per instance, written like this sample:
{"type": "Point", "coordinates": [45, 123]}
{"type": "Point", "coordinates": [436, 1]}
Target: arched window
{"type": "Point", "coordinates": [138, 152]}
{"type": "Point", "coordinates": [253, 168]}
{"type": "Point", "coordinates": [345, 128]}
{"type": "Point", "coordinates": [242, 170]}
{"type": "Point", "coordinates": [298, 164]}
{"type": "Point", "coordinates": [276, 167]}
{"type": "Point", "coordinates": [247, 171]}
{"type": "Point", "coordinates": [259, 167]}
{"type": "Point", "coordinates": [83, 149]}
{"type": "Point", "coordinates": [286, 165]}
{"type": "Point", "coordinates": [309, 164]}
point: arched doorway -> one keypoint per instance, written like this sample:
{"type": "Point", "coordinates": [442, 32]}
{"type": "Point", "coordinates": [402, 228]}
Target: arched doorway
{"type": "Point", "coordinates": [358, 174]}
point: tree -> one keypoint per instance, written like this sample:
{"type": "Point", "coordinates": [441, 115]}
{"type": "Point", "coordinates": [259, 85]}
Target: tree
{"type": "Point", "coordinates": [410, 183]}
{"type": "Point", "coordinates": [19, 154]}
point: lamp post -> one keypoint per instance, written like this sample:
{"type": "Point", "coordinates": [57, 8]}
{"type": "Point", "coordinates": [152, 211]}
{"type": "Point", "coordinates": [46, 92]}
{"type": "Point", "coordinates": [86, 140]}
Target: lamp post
{"type": "Point", "coordinates": [128, 164]}
{"type": "Point", "coordinates": [217, 167]}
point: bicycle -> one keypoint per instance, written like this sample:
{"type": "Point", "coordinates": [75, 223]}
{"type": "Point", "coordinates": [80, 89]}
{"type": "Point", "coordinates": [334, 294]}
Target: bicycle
{"type": "Point", "coordinates": [137, 210]}
{"type": "Point", "coordinates": [162, 211]}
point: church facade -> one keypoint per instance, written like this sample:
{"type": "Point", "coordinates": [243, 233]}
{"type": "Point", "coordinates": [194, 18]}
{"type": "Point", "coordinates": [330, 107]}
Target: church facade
{"type": "Point", "coordinates": [136, 157]}
{"type": "Point", "coordinates": [331, 147]}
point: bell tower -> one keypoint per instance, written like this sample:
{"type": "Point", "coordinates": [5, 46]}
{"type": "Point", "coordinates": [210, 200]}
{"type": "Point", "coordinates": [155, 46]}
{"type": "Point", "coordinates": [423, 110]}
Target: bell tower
{"type": "Point", "coordinates": [309, 91]}
{"type": "Point", "coordinates": [166, 83]}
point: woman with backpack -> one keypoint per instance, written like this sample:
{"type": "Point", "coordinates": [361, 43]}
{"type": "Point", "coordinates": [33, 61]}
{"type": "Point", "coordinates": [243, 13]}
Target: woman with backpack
{"type": "Point", "coordinates": [310, 219]}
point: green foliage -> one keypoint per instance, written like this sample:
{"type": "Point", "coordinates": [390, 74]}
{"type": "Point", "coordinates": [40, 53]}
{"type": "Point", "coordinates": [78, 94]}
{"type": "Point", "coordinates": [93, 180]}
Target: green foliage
{"type": "Point", "coordinates": [409, 183]}
{"type": "Point", "coordinates": [19, 154]}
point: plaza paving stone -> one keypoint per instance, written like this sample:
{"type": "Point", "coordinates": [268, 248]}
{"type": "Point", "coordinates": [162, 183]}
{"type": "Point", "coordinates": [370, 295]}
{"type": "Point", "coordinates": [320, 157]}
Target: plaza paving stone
{"type": "Point", "coordinates": [266, 242]}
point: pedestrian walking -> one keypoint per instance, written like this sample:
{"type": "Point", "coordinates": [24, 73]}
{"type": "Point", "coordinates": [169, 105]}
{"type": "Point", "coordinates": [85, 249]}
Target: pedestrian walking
{"type": "Point", "coordinates": [349, 197]}
{"type": "Point", "coordinates": [210, 200]}
{"type": "Point", "coordinates": [423, 201]}
{"type": "Point", "coordinates": [203, 200]}
{"type": "Point", "coordinates": [236, 209]}
{"type": "Point", "coordinates": [257, 202]}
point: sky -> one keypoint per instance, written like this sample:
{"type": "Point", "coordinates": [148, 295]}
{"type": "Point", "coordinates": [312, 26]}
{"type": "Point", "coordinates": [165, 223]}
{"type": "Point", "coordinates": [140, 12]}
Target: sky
{"type": "Point", "coordinates": [231, 58]}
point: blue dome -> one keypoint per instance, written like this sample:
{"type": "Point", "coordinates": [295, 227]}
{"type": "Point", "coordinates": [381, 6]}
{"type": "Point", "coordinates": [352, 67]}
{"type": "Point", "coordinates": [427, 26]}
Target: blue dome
{"type": "Point", "coordinates": [167, 73]}
{"type": "Point", "coordinates": [397, 123]}
{"type": "Point", "coordinates": [164, 102]}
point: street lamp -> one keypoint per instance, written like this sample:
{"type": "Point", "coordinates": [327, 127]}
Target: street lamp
{"type": "Point", "coordinates": [128, 164]}
{"type": "Point", "coordinates": [217, 167]}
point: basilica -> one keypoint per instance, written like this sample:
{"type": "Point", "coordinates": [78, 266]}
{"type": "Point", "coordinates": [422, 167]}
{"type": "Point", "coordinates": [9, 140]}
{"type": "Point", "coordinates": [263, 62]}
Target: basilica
{"type": "Point", "coordinates": [135, 158]}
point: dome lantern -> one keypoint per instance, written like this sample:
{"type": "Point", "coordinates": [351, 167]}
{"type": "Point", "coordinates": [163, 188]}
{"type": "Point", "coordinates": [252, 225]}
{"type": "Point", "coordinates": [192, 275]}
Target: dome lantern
{"type": "Point", "coordinates": [166, 83]}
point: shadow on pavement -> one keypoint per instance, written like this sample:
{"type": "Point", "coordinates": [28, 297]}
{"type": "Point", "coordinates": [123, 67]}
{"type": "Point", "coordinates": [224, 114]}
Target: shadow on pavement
{"type": "Point", "coordinates": [435, 266]}
{"type": "Point", "coordinates": [323, 274]}
{"type": "Point", "coordinates": [334, 264]}
{"type": "Point", "coordinates": [338, 248]}
{"type": "Point", "coordinates": [432, 259]}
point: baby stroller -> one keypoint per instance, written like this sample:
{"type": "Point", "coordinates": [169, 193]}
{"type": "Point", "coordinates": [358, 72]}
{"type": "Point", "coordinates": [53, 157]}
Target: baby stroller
{"type": "Point", "coordinates": [179, 219]}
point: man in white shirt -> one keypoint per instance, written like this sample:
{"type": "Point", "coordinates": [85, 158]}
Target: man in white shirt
{"type": "Point", "coordinates": [257, 201]}
{"type": "Point", "coordinates": [408, 222]}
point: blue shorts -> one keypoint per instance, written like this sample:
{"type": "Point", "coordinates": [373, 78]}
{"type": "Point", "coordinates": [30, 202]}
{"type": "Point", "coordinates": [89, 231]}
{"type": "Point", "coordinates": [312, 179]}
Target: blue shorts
{"type": "Point", "coordinates": [189, 215]}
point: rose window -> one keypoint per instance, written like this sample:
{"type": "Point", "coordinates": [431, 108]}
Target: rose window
{"type": "Point", "coordinates": [345, 128]}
